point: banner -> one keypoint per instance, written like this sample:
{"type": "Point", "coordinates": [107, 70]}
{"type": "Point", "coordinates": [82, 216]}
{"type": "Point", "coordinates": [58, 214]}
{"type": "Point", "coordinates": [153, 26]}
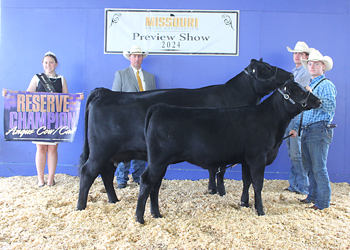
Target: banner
{"type": "Point", "coordinates": [175, 32]}
{"type": "Point", "coordinates": [39, 116]}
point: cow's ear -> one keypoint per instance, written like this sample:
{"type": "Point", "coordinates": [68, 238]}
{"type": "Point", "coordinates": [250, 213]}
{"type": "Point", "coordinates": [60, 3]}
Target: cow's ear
{"type": "Point", "coordinates": [261, 60]}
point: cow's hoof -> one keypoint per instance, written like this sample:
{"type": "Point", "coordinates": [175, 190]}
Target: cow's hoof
{"type": "Point", "coordinates": [260, 213]}
{"type": "Point", "coordinates": [81, 206]}
{"type": "Point", "coordinates": [212, 191]}
{"type": "Point", "coordinates": [243, 204]}
{"type": "Point", "coordinates": [222, 193]}
{"type": "Point", "coordinates": [140, 220]}
{"type": "Point", "coordinates": [113, 201]}
{"type": "Point", "coordinates": [157, 215]}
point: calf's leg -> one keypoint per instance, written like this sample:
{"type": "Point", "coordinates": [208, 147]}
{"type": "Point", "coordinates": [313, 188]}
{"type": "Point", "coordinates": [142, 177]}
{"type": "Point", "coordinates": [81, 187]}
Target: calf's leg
{"type": "Point", "coordinates": [145, 189]}
{"type": "Point", "coordinates": [258, 182]}
{"type": "Point", "coordinates": [150, 182]}
{"type": "Point", "coordinates": [220, 182]}
{"type": "Point", "coordinates": [154, 197]}
{"type": "Point", "coordinates": [107, 177]}
{"type": "Point", "coordinates": [212, 182]}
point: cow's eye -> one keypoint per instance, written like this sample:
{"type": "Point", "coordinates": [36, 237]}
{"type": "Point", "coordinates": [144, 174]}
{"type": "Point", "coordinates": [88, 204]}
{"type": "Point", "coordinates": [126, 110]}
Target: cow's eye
{"type": "Point", "coordinates": [253, 70]}
{"type": "Point", "coordinates": [285, 88]}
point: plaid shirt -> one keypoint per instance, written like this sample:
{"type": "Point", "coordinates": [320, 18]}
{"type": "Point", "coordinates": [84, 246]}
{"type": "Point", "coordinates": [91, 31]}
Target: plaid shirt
{"type": "Point", "coordinates": [327, 92]}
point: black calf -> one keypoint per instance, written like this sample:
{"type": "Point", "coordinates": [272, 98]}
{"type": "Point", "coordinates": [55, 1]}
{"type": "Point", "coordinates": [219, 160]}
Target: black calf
{"type": "Point", "coordinates": [205, 136]}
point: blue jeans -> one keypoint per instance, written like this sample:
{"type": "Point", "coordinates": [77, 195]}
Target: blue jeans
{"type": "Point", "coordinates": [315, 142]}
{"type": "Point", "coordinates": [298, 180]}
{"type": "Point", "coordinates": [123, 171]}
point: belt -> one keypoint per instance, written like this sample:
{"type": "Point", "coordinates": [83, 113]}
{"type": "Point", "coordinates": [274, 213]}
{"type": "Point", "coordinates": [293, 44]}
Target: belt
{"type": "Point", "coordinates": [331, 125]}
{"type": "Point", "coordinates": [327, 125]}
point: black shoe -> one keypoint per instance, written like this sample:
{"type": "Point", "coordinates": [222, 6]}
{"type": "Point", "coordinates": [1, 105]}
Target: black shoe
{"type": "Point", "coordinates": [121, 185]}
{"type": "Point", "coordinates": [304, 201]}
{"type": "Point", "coordinates": [53, 184]}
{"type": "Point", "coordinates": [314, 208]}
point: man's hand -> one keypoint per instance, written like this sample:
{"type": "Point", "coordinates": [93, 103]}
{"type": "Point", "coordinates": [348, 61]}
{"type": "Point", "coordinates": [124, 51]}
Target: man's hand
{"type": "Point", "coordinates": [293, 133]}
{"type": "Point", "coordinates": [308, 88]}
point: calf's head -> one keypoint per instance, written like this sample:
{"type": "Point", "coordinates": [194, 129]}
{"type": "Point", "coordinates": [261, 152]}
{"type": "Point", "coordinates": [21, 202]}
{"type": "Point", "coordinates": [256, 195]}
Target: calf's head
{"type": "Point", "coordinates": [297, 95]}
{"type": "Point", "coordinates": [266, 77]}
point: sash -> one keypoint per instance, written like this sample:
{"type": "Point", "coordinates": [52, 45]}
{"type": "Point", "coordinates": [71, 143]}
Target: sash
{"type": "Point", "coordinates": [47, 84]}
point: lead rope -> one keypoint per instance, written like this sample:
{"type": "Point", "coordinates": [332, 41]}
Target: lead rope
{"type": "Point", "coordinates": [287, 136]}
{"type": "Point", "coordinates": [224, 169]}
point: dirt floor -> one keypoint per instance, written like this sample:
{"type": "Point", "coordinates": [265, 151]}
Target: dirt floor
{"type": "Point", "coordinates": [46, 218]}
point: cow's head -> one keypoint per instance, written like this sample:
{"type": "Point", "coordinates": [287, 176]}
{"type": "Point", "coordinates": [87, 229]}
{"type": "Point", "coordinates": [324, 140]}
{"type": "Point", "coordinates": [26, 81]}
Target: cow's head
{"type": "Point", "coordinates": [299, 97]}
{"type": "Point", "coordinates": [266, 77]}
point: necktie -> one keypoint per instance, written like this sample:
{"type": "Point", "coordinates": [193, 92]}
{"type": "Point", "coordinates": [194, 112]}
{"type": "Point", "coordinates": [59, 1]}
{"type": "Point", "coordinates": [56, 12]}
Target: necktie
{"type": "Point", "coordinates": [139, 81]}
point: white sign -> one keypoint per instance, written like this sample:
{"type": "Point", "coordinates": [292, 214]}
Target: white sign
{"type": "Point", "coordinates": [174, 32]}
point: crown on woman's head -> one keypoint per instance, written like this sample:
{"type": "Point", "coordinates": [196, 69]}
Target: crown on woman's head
{"type": "Point", "coordinates": [49, 53]}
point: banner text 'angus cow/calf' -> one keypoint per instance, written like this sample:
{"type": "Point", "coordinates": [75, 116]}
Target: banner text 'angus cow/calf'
{"type": "Point", "coordinates": [50, 117]}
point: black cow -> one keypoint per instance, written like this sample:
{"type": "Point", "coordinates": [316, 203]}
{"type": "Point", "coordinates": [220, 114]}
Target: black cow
{"type": "Point", "coordinates": [114, 121]}
{"type": "Point", "coordinates": [205, 136]}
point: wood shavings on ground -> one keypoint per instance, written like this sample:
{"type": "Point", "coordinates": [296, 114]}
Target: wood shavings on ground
{"type": "Point", "coordinates": [46, 218]}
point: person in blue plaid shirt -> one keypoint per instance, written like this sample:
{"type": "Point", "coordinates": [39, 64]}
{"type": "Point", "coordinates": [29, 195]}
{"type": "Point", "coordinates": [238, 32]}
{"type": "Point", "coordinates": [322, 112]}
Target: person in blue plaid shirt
{"type": "Point", "coordinates": [317, 131]}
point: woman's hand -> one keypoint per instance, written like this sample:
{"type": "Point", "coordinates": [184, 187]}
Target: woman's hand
{"type": "Point", "coordinates": [4, 92]}
{"type": "Point", "coordinates": [81, 97]}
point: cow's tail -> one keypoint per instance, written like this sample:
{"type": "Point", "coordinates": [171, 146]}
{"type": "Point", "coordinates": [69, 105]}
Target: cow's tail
{"type": "Point", "coordinates": [86, 150]}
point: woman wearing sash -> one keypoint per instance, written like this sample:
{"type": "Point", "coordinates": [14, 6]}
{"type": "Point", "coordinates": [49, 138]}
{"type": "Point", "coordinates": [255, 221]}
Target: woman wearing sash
{"type": "Point", "coordinates": [47, 82]}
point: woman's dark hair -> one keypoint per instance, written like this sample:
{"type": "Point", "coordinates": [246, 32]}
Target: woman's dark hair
{"type": "Point", "coordinates": [51, 55]}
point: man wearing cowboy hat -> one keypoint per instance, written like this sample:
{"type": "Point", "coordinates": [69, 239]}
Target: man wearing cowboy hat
{"type": "Point", "coordinates": [317, 130]}
{"type": "Point", "coordinates": [298, 180]}
{"type": "Point", "coordinates": [132, 79]}
{"type": "Point", "coordinates": [126, 79]}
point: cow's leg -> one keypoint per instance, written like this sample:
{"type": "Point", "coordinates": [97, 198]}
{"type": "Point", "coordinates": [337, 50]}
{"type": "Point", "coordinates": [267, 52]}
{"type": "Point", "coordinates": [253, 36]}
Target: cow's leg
{"type": "Point", "coordinates": [258, 182]}
{"type": "Point", "coordinates": [247, 181]}
{"type": "Point", "coordinates": [107, 177]}
{"type": "Point", "coordinates": [212, 182]}
{"type": "Point", "coordinates": [88, 174]}
{"type": "Point", "coordinates": [220, 182]}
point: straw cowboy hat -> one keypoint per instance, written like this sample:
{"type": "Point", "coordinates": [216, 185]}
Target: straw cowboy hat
{"type": "Point", "coordinates": [135, 49]}
{"type": "Point", "coordinates": [301, 47]}
{"type": "Point", "coordinates": [316, 56]}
